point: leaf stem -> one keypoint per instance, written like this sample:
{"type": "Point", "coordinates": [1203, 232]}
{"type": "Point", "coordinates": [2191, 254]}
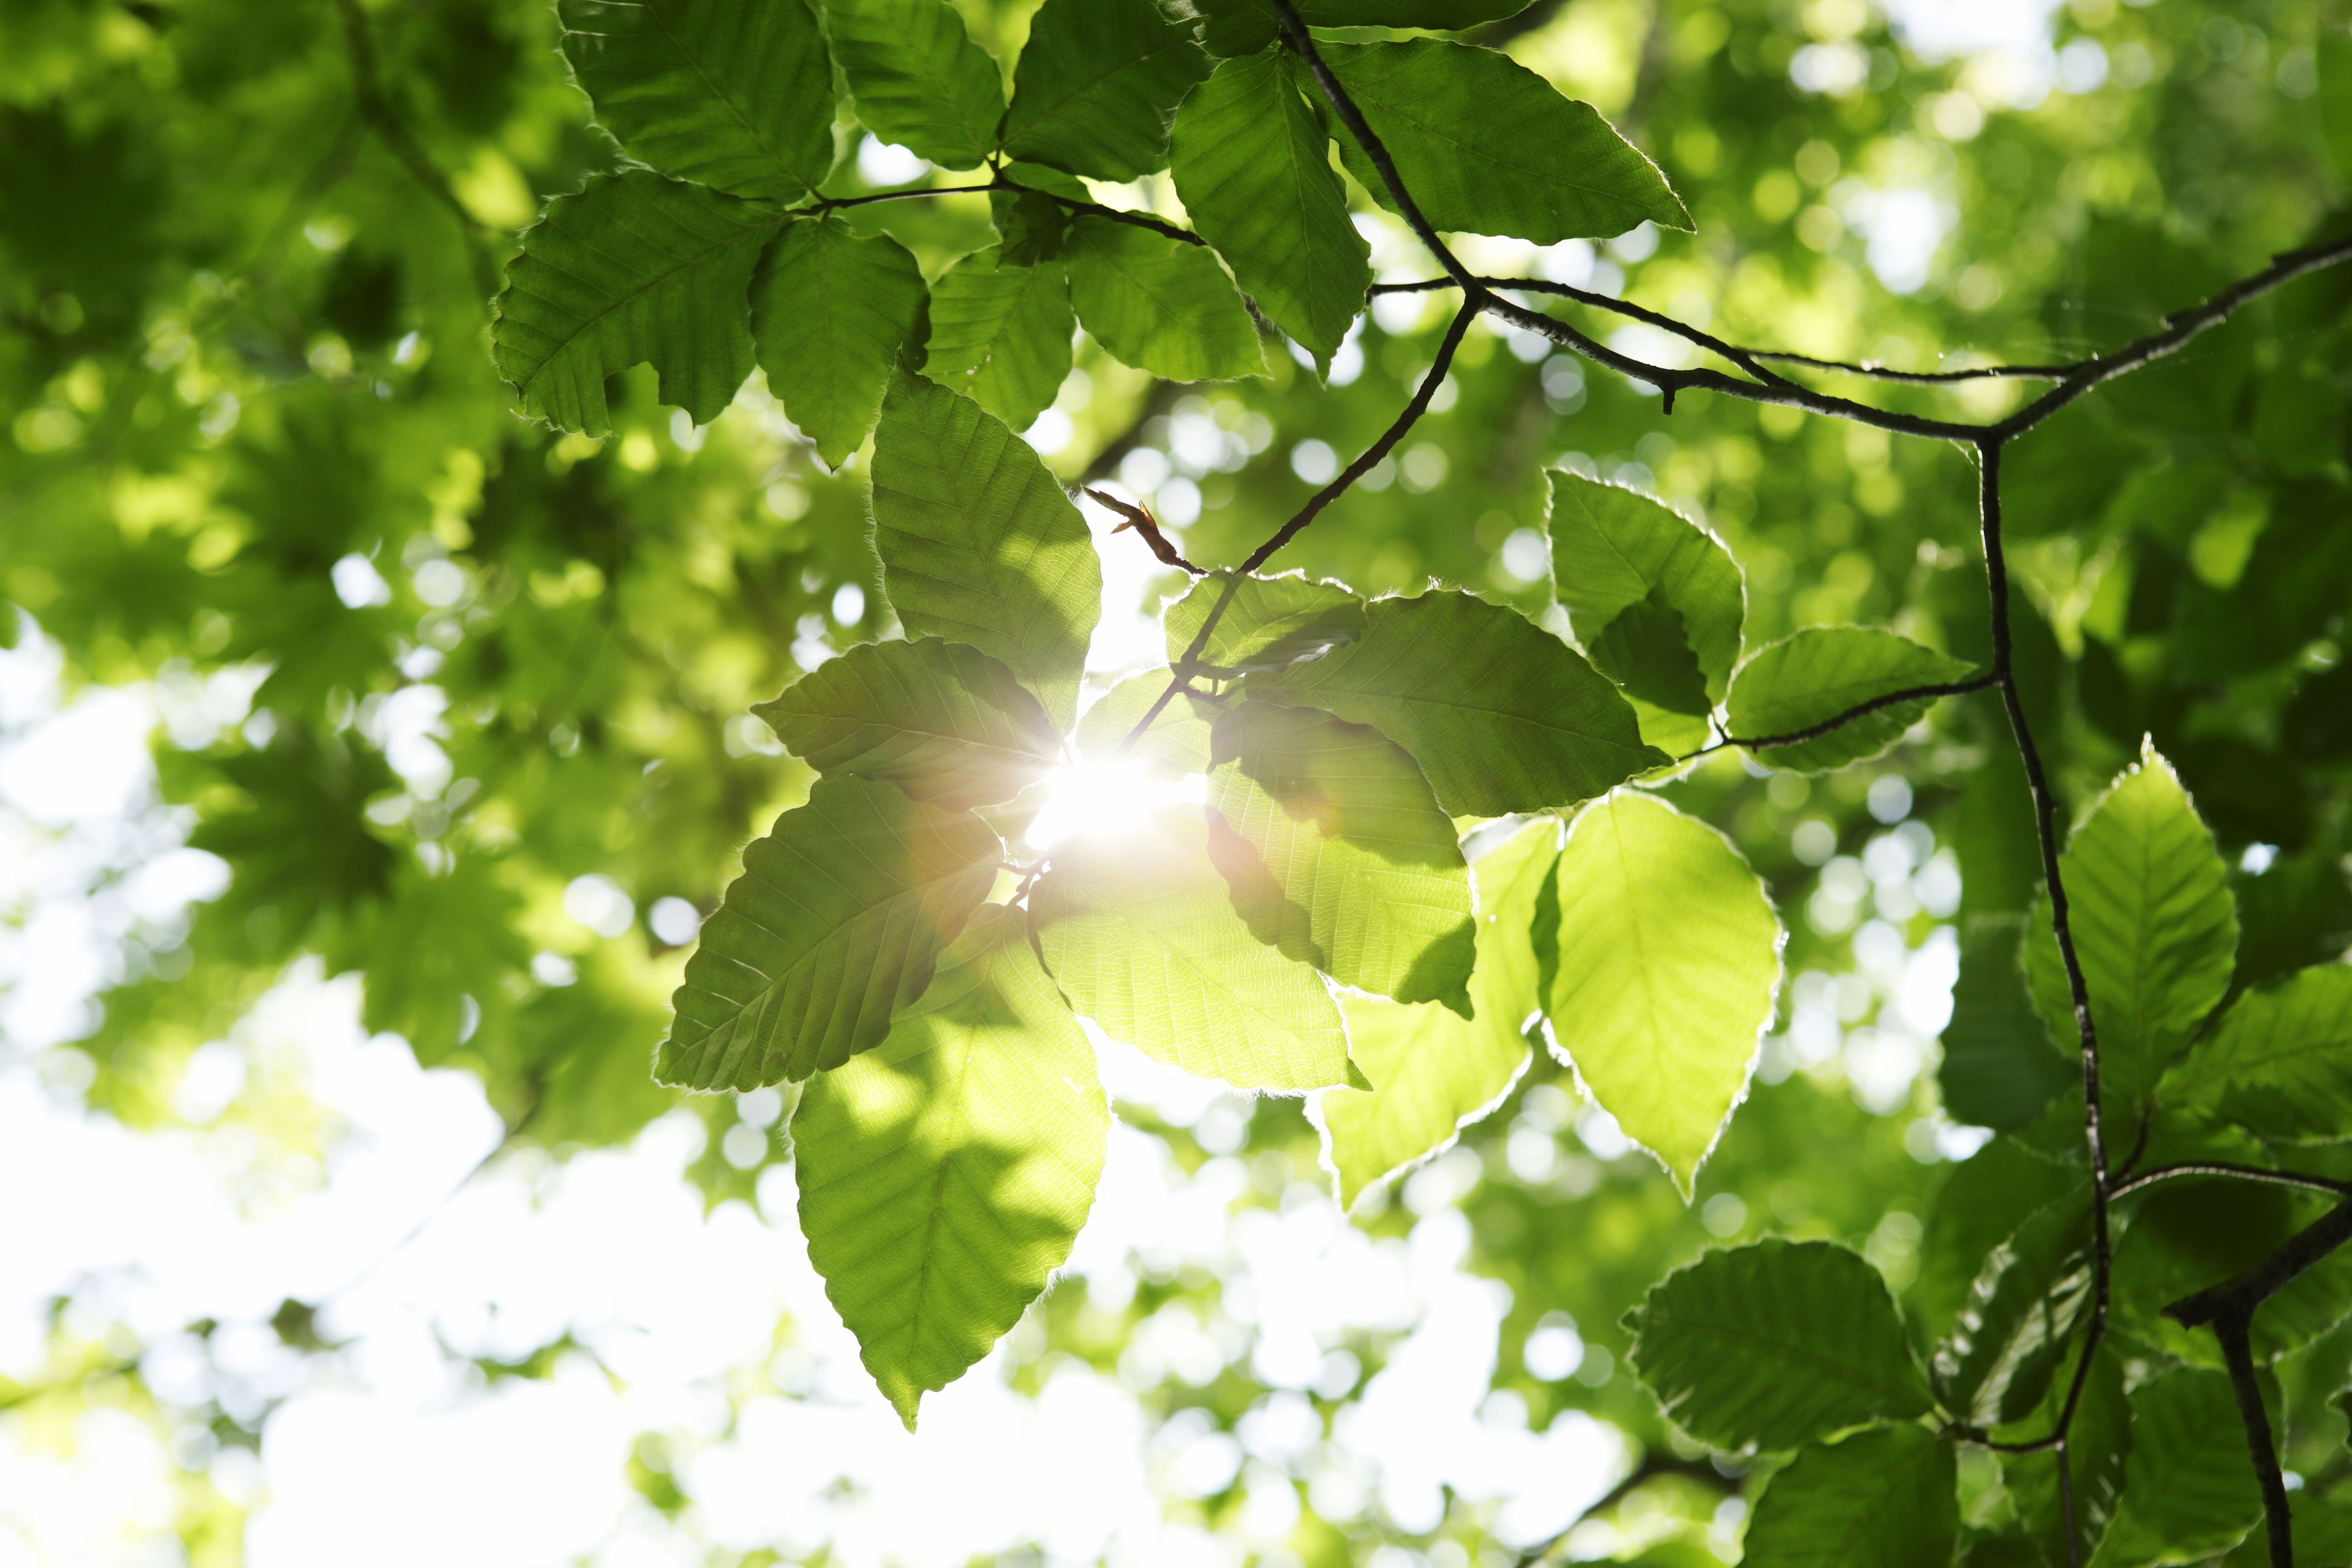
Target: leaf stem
{"type": "Point", "coordinates": [2241, 1172]}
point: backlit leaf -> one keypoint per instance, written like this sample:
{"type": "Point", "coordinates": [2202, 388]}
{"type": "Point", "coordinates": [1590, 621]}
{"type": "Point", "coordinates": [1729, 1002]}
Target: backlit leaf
{"type": "Point", "coordinates": [830, 310]}
{"type": "Point", "coordinates": [1250, 161]}
{"type": "Point", "coordinates": [944, 1175]}
{"type": "Point", "coordinates": [633, 269]}
{"type": "Point", "coordinates": [733, 94]}
{"type": "Point", "coordinates": [1001, 333]}
{"type": "Point", "coordinates": [1438, 1072]}
{"type": "Point", "coordinates": [1337, 855]}
{"type": "Point", "coordinates": [918, 77]}
{"type": "Point", "coordinates": [1669, 960]}
{"type": "Point", "coordinates": [1486, 146]}
{"type": "Point", "coordinates": [2279, 1063]}
{"type": "Point", "coordinates": [1817, 674]}
{"type": "Point", "coordinates": [1500, 714]}
{"type": "Point", "coordinates": [839, 918]}
{"type": "Point", "coordinates": [1096, 85]}
{"type": "Point", "coordinates": [1612, 547]}
{"type": "Point", "coordinates": [1139, 930]}
{"type": "Point", "coordinates": [1158, 303]}
{"type": "Point", "coordinates": [943, 722]}
{"type": "Point", "coordinates": [1879, 1500]}
{"type": "Point", "coordinates": [978, 543]}
{"type": "Point", "coordinates": [1778, 1344]}
{"type": "Point", "coordinates": [1176, 744]}
{"type": "Point", "coordinates": [1271, 623]}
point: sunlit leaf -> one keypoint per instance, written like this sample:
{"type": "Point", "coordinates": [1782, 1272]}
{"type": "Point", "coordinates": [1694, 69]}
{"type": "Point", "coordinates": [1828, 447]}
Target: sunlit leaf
{"type": "Point", "coordinates": [1438, 1072]}
{"type": "Point", "coordinates": [1001, 333]}
{"type": "Point", "coordinates": [978, 543]}
{"type": "Point", "coordinates": [1097, 83]}
{"type": "Point", "coordinates": [1814, 676]}
{"type": "Point", "coordinates": [1337, 855]}
{"type": "Point", "coordinates": [1879, 1500]}
{"type": "Point", "coordinates": [1158, 303]}
{"type": "Point", "coordinates": [943, 722]}
{"type": "Point", "coordinates": [944, 1175]}
{"type": "Point", "coordinates": [733, 94]}
{"type": "Point", "coordinates": [1612, 547]}
{"type": "Point", "coordinates": [1272, 623]}
{"type": "Point", "coordinates": [1778, 1344]}
{"type": "Point", "coordinates": [830, 310]}
{"type": "Point", "coordinates": [1486, 146]}
{"type": "Point", "coordinates": [839, 918]}
{"type": "Point", "coordinates": [1500, 714]}
{"type": "Point", "coordinates": [918, 77]}
{"type": "Point", "coordinates": [1176, 744]}
{"type": "Point", "coordinates": [1250, 161]}
{"type": "Point", "coordinates": [1139, 928]}
{"type": "Point", "coordinates": [1669, 960]}
{"type": "Point", "coordinates": [633, 269]}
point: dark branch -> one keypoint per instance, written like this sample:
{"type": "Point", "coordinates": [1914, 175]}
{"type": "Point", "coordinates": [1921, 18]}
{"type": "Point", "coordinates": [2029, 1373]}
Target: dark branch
{"type": "Point", "coordinates": [2243, 1293]}
{"type": "Point", "coordinates": [2241, 1172]}
{"type": "Point", "coordinates": [2236, 1334]}
{"type": "Point", "coordinates": [1859, 710]}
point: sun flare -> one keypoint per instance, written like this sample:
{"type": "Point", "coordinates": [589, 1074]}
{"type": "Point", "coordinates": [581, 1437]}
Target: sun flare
{"type": "Point", "coordinates": [1106, 800]}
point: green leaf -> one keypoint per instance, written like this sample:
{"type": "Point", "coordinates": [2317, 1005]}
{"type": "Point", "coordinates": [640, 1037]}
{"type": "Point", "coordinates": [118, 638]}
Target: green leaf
{"type": "Point", "coordinates": [1822, 671]}
{"type": "Point", "coordinates": [944, 1175]}
{"type": "Point", "coordinates": [2189, 1491]}
{"type": "Point", "coordinates": [1273, 623]}
{"type": "Point", "coordinates": [979, 543]}
{"type": "Point", "coordinates": [830, 311]}
{"type": "Point", "coordinates": [733, 94]}
{"type": "Point", "coordinates": [1999, 1069]}
{"type": "Point", "coordinates": [1996, 1363]}
{"type": "Point", "coordinates": [1879, 1500]}
{"type": "Point", "coordinates": [1613, 548]}
{"type": "Point", "coordinates": [1500, 714]}
{"type": "Point", "coordinates": [1669, 960]}
{"type": "Point", "coordinates": [839, 918]}
{"type": "Point", "coordinates": [1647, 653]}
{"type": "Point", "coordinates": [918, 77]}
{"type": "Point", "coordinates": [1158, 303]}
{"type": "Point", "coordinates": [2098, 1448]}
{"type": "Point", "coordinates": [1245, 27]}
{"type": "Point", "coordinates": [944, 722]}
{"type": "Point", "coordinates": [2185, 1234]}
{"type": "Point", "coordinates": [2155, 929]}
{"type": "Point", "coordinates": [634, 268]}
{"type": "Point", "coordinates": [1252, 163]}
{"type": "Point", "coordinates": [1438, 1072]}
{"type": "Point", "coordinates": [1096, 85]}
{"type": "Point", "coordinates": [1176, 744]}
{"type": "Point", "coordinates": [1984, 1199]}
{"type": "Point", "coordinates": [2279, 1063]}
{"type": "Point", "coordinates": [1139, 928]}
{"type": "Point", "coordinates": [1486, 146]}
{"type": "Point", "coordinates": [1337, 855]}
{"type": "Point", "coordinates": [1778, 1344]}
{"type": "Point", "coordinates": [1001, 333]}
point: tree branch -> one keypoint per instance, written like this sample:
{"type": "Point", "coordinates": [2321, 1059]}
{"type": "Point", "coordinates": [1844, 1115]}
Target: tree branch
{"type": "Point", "coordinates": [2241, 1172]}
{"type": "Point", "coordinates": [2236, 1333]}
{"type": "Point", "coordinates": [1859, 710]}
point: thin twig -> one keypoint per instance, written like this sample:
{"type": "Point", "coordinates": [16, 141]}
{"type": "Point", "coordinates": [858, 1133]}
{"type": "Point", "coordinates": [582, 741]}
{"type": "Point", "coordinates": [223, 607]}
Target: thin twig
{"type": "Point", "coordinates": [2241, 1172]}
{"type": "Point", "coordinates": [1859, 711]}
{"type": "Point", "coordinates": [1005, 183]}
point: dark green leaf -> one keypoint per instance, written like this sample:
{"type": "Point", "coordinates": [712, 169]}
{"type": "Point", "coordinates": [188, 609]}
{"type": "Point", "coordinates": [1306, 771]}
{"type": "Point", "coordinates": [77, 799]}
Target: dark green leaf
{"type": "Point", "coordinates": [830, 311]}
{"type": "Point", "coordinates": [1097, 84]}
{"type": "Point", "coordinates": [1252, 166]}
{"type": "Point", "coordinates": [1245, 27]}
{"type": "Point", "coordinates": [1777, 1344]}
{"type": "Point", "coordinates": [2279, 1063]}
{"type": "Point", "coordinates": [1486, 146]}
{"type": "Point", "coordinates": [1337, 855]}
{"type": "Point", "coordinates": [633, 269]}
{"type": "Point", "coordinates": [1271, 623]}
{"type": "Point", "coordinates": [838, 920]}
{"type": "Point", "coordinates": [1001, 333]}
{"type": "Point", "coordinates": [733, 94]}
{"type": "Point", "coordinates": [1500, 714]}
{"type": "Point", "coordinates": [1999, 1068]}
{"type": "Point", "coordinates": [943, 722]}
{"type": "Point", "coordinates": [944, 1175]}
{"type": "Point", "coordinates": [1669, 957]}
{"type": "Point", "coordinates": [1613, 548]}
{"type": "Point", "coordinates": [918, 77]}
{"type": "Point", "coordinates": [1820, 672]}
{"type": "Point", "coordinates": [1996, 1363]}
{"type": "Point", "coordinates": [1158, 303]}
{"type": "Point", "coordinates": [978, 543]}
{"type": "Point", "coordinates": [2189, 1490]}
{"type": "Point", "coordinates": [2098, 1446]}
{"type": "Point", "coordinates": [1879, 1500]}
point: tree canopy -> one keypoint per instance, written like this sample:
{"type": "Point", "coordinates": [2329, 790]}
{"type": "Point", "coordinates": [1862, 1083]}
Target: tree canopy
{"type": "Point", "coordinates": [1708, 636]}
